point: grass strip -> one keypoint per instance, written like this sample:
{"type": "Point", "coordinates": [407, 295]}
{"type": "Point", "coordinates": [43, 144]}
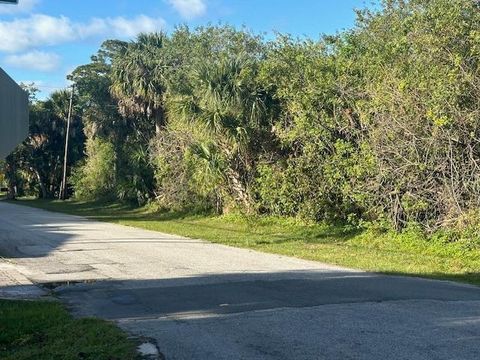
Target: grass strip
{"type": "Point", "coordinates": [44, 330]}
{"type": "Point", "coordinates": [408, 253]}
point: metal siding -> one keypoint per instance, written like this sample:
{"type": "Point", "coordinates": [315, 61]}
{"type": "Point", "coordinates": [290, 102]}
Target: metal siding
{"type": "Point", "coordinates": [13, 114]}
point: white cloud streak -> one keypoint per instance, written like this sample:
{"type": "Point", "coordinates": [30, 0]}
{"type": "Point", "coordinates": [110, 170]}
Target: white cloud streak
{"type": "Point", "coordinates": [24, 6]}
{"type": "Point", "coordinates": [123, 27]}
{"type": "Point", "coordinates": [43, 30]}
{"type": "Point", "coordinates": [34, 60]}
{"type": "Point", "coordinates": [189, 9]}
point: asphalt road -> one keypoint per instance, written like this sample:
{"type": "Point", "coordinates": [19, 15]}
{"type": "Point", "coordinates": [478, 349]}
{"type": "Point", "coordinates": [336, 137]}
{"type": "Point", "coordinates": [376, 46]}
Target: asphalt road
{"type": "Point", "coordinates": [205, 301]}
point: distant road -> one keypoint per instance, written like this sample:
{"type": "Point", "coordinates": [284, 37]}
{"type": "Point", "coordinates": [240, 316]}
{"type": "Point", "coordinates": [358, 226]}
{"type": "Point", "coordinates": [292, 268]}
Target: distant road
{"type": "Point", "coordinates": [208, 301]}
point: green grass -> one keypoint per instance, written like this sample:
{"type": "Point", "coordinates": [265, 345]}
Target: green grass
{"type": "Point", "coordinates": [44, 330]}
{"type": "Point", "coordinates": [406, 254]}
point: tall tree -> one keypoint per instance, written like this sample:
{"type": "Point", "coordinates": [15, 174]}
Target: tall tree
{"type": "Point", "coordinates": [225, 100]}
{"type": "Point", "coordinates": [37, 162]}
{"type": "Point", "coordinates": [138, 78]}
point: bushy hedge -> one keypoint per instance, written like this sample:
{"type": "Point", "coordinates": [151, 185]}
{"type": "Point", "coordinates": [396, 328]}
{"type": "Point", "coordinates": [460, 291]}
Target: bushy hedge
{"type": "Point", "coordinates": [377, 123]}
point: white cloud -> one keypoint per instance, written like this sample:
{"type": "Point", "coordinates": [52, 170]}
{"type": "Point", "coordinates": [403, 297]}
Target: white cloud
{"type": "Point", "coordinates": [127, 28]}
{"type": "Point", "coordinates": [119, 27]}
{"type": "Point", "coordinates": [189, 9]}
{"type": "Point", "coordinates": [43, 30]}
{"type": "Point", "coordinates": [34, 60]}
{"type": "Point", "coordinates": [23, 6]}
{"type": "Point", "coordinates": [36, 30]}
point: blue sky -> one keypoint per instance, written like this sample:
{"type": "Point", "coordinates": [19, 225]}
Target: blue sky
{"type": "Point", "coordinates": [42, 41]}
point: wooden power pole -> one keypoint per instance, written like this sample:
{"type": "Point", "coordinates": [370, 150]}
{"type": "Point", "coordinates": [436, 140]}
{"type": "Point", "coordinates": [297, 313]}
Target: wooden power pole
{"type": "Point", "coordinates": [63, 186]}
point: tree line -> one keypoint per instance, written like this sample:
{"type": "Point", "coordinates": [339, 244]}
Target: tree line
{"type": "Point", "coordinates": [378, 123]}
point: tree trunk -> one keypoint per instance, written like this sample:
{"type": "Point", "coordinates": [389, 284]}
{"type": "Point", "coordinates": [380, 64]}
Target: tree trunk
{"type": "Point", "coordinates": [398, 214]}
{"type": "Point", "coordinates": [43, 189]}
{"type": "Point", "coordinates": [238, 189]}
{"type": "Point", "coordinates": [159, 118]}
{"type": "Point", "coordinates": [11, 176]}
{"type": "Point", "coordinates": [12, 192]}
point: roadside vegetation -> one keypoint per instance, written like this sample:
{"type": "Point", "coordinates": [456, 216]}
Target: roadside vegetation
{"type": "Point", "coordinates": [360, 148]}
{"type": "Point", "coordinates": [44, 330]}
{"type": "Point", "coordinates": [408, 253]}
{"type": "Point", "coordinates": [3, 182]}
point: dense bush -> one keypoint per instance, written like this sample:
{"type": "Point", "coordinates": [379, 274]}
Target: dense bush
{"type": "Point", "coordinates": [36, 166]}
{"type": "Point", "coordinates": [95, 179]}
{"type": "Point", "coordinates": [378, 123]}
{"type": "Point", "coordinates": [382, 120]}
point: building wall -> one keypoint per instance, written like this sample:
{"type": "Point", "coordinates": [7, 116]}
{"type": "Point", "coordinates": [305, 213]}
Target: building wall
{"type": "Point", "coordinates": [13, 114]}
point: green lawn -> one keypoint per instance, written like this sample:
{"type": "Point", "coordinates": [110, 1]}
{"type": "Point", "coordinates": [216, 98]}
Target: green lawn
{"type": "Point", "coordinates": [44, 330]}
{"type": "Point", "coordinates": [406, 254]}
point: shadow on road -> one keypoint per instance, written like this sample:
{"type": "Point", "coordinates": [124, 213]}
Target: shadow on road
{"type": "Point", "coordinates": [278, 315]}
{"type": "Point", "coordinates": [232, 293]}
{"type": "Point", "coordinates": [300, 314]}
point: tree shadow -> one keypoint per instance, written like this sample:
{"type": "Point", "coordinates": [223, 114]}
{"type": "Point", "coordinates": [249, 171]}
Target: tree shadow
{"type": "Point", "coordinates": [296, 314]}
{"type": "Point", "coordinates": [239, 292]}
{"type": "Point", "coordinates": [289, 315]}
{"type": "Point", "coordinates": [297, 309]}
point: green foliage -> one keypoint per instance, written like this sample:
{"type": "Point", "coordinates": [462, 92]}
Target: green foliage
{"type": "Point", "coordinates": [181, 183]}
{"type": "Point", "coordinates": [224, 100]}
{"type": "Point", "coordinates": [374, 247]}
{"type": "Point", "coordinates": [35, 167]}
{"type": "Point", "coordinates": [277, 193]}
{"type": "Point", "coordinates": [125, 171]}
{"type": "Point", "coordinates": [138, 80]}
{"type": "Point", "coordinates": [208, 166]}
{"type": "Point", "coordinates": [379, 123]}
{"type": "Point", "coordinates": [95, 179]}
{"type": "Point", "coordinates": [100, 113]}
{"type": "Point", "coordinates": [224, 111]}
{"type": "Point", "coordinates": [318, 127]}
{"type": "Point", "coordinates": [44, 330]}
{"type": "Point", "coordinates": [136, 177]}
{"type": "Point", "coordinates": [420, 63]}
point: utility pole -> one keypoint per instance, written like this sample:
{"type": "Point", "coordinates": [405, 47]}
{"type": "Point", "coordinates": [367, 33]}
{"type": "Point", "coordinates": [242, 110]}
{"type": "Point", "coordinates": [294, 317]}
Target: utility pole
{"type": "Point", "coordinates": [63, 186]}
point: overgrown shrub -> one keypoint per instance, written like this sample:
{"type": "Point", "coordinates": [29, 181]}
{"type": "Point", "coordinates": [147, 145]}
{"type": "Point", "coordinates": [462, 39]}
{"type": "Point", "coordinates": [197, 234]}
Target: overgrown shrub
{"type": "Point", "coordinates": [176, 173]}
{"type": "Point", "coordinates": [377, 124]}
{"type": "Point", "coordinates": [95, 178]}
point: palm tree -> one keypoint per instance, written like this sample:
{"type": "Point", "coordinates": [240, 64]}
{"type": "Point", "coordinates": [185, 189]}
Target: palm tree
{"type": "Point", "coordinates": [138, 80]}
{"type": "Point", "coordinates": [225, 101]}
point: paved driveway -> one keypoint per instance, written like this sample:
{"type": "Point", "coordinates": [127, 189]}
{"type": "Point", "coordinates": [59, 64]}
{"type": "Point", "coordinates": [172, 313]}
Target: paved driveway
{"type": "Point", "coordinates": [207, 301]}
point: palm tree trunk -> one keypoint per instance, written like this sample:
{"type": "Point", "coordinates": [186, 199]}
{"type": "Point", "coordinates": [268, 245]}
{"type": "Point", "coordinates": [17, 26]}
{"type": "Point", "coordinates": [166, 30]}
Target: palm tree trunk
{"type": "Point", "coordinates": [238, 189]}
{"type": "Point", "coordinates": [236, 186]}
{"type": "Point", "coordinates": [43, 189]}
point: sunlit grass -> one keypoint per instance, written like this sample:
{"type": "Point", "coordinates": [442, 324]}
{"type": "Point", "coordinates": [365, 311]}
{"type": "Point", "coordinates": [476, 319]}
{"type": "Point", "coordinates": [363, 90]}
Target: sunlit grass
{"type": "Point", "coordinates": [408, 253]}
{"type": "Point", "coordinates": [44, 330]}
